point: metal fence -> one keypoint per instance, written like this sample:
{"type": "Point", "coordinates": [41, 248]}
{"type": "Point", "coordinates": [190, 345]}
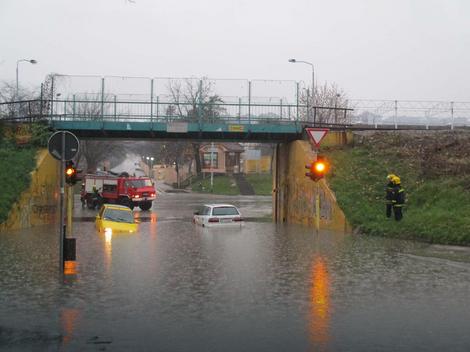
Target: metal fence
{"type": "Point", "coordinates": [204, 99]}
{"type": "Point", "coordinates": [396, 113]}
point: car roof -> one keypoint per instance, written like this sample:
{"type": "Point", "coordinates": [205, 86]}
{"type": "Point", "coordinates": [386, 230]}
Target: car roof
{"type": "Point", "coordinates": [117, 206]}
{"type": "Point", "coordinates": [219, 205]}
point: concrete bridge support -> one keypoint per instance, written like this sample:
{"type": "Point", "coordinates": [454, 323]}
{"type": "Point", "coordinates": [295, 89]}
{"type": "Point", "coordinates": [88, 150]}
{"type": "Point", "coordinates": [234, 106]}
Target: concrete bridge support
{"type": "Point", "coordinates": [294, 193]}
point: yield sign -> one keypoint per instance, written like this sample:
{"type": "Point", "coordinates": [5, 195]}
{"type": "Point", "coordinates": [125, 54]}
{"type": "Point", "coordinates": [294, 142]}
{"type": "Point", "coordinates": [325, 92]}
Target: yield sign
{"type": "Point", "coordinates": [316, 134]}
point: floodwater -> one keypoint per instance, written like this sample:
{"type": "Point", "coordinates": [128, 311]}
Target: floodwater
{"type": "Point", "coordinates": [263, 287]}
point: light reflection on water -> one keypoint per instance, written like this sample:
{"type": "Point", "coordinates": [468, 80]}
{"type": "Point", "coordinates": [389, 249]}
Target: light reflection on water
{"type": "Point", "coordinates": [320, 303]}
{"type": "Point", "coordinates": [264, 287]}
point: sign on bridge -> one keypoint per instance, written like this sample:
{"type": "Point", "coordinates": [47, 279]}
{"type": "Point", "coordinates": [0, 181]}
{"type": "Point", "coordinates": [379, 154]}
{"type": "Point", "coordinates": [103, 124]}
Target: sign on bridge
{"type": "Point", "coordinates": [316, 135]}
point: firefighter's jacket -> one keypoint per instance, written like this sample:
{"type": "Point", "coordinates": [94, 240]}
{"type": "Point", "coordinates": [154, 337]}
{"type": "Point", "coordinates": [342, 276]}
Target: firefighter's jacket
{"type": "Point", "coordinates": [398, 196]}
{"type": "Point", "coordinates": [389, 193]}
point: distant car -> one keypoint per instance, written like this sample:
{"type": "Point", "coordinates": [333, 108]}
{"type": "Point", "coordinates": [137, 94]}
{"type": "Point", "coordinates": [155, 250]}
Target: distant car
{"type": "Point", "coordinates": [115, 218]}
{"type": "Point", "coordinates": [211, 215]}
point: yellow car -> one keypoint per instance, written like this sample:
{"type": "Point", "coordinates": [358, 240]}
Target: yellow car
{"type": "Point", "coordinates": [115, 218]}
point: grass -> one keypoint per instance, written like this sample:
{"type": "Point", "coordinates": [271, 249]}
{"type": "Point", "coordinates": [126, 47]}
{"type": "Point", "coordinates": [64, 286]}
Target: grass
{"type": "Point", "coordinates": [221, 185]}
{"type": "Point", "coordinates": [262, 183]}
{"type": "Point", "coordinates": [16, 163]}
{"type": "Point", "coordinates": [437, 209]}
{"type": "Point", "coordinates": [16, 166]}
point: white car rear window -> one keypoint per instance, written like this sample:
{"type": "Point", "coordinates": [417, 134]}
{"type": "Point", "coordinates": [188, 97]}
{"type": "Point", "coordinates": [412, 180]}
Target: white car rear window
{"type": "Point", "coordinates": [220, 211]}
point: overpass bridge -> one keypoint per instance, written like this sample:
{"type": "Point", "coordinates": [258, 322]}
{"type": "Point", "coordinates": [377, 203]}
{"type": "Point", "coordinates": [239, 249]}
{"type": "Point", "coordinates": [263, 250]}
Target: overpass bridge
{"type": "Point", "coordinates": [145, 120]}
{"type": "Point", "coordinates": [204, 109]}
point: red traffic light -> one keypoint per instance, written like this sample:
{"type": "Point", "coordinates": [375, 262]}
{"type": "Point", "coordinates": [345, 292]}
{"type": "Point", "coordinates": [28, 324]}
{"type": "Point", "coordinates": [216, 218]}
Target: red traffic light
{"type": "Point", "coordinates": [318, 169]}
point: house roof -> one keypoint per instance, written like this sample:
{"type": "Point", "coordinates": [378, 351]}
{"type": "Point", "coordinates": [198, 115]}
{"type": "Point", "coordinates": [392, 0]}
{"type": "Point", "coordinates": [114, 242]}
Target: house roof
{"type": "Point", "coordinates": [230, 147]}
{"type": "Point", "coordinates": [233, 147]}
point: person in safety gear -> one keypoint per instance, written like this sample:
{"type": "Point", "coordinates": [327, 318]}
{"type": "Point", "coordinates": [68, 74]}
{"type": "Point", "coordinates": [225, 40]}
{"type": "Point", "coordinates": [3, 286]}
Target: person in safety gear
{"type": "Point", "coordinates": [398, 198]}
{"type": "Point", "coordinates": [389, 195]}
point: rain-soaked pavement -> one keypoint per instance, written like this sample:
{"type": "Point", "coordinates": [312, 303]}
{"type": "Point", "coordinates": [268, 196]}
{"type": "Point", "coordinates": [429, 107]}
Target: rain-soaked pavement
{"type": "Point", "coordinates": [264, 287]}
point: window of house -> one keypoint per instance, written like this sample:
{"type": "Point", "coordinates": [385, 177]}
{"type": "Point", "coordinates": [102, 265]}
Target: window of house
{"type": "Point", "coordinates": [207, 160]}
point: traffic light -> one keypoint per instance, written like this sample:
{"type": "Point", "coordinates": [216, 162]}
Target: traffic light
{"type": "Point", "coordinates": [318, 168]}
{"type": "Point", "coordinates": [70, 173]}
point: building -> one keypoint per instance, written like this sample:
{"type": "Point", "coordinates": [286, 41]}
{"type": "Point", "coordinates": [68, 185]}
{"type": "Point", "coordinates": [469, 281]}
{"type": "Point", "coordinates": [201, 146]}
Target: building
{"type": "Point", "coordinates": [221, 158]}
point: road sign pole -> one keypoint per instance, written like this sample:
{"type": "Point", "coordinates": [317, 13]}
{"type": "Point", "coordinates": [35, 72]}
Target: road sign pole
{"type": "Point", "coordinates": [62, 204]}
{"type": "Point", "coordinates": [63, 146]}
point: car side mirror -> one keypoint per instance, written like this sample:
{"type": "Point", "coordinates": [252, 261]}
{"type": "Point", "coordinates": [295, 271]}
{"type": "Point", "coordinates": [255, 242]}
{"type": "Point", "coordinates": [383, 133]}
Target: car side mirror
{"type": "Point", "coordinates": [98, 217]}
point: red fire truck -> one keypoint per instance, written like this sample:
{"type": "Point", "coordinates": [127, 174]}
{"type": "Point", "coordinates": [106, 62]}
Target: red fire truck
{"type": "Point", "coordinates": [126, 190]}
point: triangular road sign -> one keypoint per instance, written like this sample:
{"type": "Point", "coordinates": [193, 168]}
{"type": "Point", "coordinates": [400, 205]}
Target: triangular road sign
{"type": "Point", "coordinates": [316, 134]}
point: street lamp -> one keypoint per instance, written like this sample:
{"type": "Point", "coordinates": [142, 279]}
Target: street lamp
{"type": "Point", "coordinates": [150, 160]}
{"type": "Point", "coordinates": [151, 166]}
{"type": "Point", "coordinates": [31, 61]}
{"type": "Point", "coordinates": [294, 61]}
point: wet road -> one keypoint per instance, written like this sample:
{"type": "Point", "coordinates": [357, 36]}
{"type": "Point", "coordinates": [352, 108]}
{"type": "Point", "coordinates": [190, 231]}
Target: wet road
{"type": "Point", "coordinates": [177, 287]}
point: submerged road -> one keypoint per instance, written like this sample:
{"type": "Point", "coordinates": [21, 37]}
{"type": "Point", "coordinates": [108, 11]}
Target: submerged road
{"type": "Point", "coordinates": [264, 287]}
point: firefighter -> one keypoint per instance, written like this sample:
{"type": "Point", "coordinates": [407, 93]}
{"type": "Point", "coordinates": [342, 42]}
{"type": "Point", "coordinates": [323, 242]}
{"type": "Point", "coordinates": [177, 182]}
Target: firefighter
{"type": "Point", "coordinates": [389, 195]}
{"type": "Point", "coordinates": [398, 200]}
{"type": "Point", "coordinates": [97, 199]}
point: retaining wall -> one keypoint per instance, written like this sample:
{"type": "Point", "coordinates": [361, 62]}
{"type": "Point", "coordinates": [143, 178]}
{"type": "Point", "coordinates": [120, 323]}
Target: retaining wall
{"type": "Point", "coordinates": [39, 204]}
{"type": "Point", "coordinates": [294, 193]}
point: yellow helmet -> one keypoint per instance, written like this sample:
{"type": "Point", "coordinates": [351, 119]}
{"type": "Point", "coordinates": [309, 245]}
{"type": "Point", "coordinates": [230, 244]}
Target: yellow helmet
{"type": "Point", "coordinates": [396, 180]}
{"type": "Point", "coordinates": [390, 177]}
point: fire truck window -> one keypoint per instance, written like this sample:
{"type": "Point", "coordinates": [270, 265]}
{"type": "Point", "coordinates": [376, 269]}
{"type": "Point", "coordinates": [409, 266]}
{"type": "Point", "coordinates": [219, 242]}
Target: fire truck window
{"type": "Point", "coordinates": [109, 188]}
{"type": "Point", "coordinates": [139, 183]}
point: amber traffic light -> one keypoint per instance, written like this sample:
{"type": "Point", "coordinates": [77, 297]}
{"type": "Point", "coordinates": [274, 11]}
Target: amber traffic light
{"type": "Point", "coordinates": [70, 173]}
{"type": "Point", "coordinates": [318, 168]}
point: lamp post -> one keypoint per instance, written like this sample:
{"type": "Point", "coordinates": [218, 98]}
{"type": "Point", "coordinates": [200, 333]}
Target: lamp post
{"type": "Point", "coordinates": [295, 61]}
{"type": "Point", "coordinates": [336, 107]}
{"type": "Point", "coordinates": [150, 160]}
{"type": "Point", "coordinates": [31, 61]}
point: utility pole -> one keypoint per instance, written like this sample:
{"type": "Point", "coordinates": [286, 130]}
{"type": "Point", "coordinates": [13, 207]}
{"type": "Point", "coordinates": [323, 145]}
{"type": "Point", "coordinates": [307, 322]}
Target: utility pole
{"type": "Point", "coordinates": [212, 167]}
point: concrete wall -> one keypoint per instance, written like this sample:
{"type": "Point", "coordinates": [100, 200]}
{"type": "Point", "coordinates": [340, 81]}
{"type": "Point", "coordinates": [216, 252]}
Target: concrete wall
{"type": "Point", "coordinates": [294, 193]}
{"type": "Point", "coordinates": [39, 204]}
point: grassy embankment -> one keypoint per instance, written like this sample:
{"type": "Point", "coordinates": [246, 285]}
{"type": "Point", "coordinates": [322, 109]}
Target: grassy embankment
{"type": "Point", "coordinates": [435, 172]}
{"type": "Point", "coordinates": [16, 164]}
{"type": "Point", "coordinates": [226, 185]}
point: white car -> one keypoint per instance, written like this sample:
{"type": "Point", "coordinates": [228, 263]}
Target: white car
{"type": "Point", "coordinates": [211, 215]}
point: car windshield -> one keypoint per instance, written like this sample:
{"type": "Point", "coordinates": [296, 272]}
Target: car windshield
{"type": "Point", "coordinates": [139, 183]}
{"type": "Point", "coordinates": [118, 215]}
{"type": "Point", "coordinates": [225, 211]}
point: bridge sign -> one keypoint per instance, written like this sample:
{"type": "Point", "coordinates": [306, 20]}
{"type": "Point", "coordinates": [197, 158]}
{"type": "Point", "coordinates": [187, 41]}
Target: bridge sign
{"type": "Point", "coordinates": [316, 135]}
{"type": "Point", "coordinates": [70, 148]}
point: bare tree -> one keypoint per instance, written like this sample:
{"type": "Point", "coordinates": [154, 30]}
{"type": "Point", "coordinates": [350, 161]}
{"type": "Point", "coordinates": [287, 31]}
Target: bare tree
{"type": "Point", "coordinates": [195, 100]}
{"type": "Point", "coordinates": [330, 101]}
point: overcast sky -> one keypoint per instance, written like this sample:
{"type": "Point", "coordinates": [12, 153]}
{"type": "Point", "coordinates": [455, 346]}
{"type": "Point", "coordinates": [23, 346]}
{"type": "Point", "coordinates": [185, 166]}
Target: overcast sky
{"type": "Point", "coordinates": [377, 49]}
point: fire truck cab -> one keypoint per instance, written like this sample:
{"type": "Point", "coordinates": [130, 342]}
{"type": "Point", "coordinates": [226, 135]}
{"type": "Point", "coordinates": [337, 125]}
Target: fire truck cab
{"type": "Point", "coordinates": [128, 191]}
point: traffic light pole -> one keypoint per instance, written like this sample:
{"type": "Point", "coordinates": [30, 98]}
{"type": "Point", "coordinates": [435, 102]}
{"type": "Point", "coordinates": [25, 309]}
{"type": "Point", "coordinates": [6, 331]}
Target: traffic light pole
{"type": "Point", "coordinates": [317, 206]}
{"type": "Point", "coordinates": [69, 209]}
{"type": "Point", "coordinates": [62, 205]}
